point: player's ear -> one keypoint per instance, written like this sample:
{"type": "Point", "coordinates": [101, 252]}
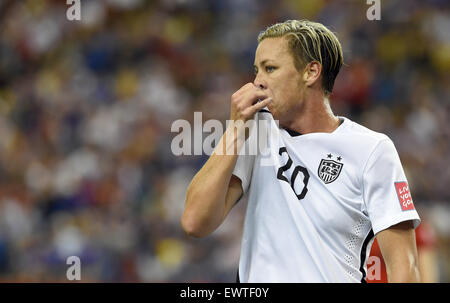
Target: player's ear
{"type": "Point", "coordinates": [312, 72]}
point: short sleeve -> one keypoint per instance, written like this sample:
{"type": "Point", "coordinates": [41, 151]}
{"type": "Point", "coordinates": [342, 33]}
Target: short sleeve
{"type": "Point", "coordinates": [243, 170]}
{"type": "Point", "coordinates": [386, 192]}
{"type": "Point", "coordinates": [247, 155]}
{"type": "Point", "coordinates": [246, 158]}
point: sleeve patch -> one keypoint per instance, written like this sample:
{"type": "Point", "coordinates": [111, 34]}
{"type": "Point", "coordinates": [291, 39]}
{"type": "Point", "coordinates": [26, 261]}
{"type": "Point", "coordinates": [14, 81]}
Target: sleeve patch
{"type": "Point", "coordinates": [404, 196]}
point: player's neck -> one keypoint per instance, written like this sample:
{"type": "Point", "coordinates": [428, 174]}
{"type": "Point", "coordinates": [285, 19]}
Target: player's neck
{"type": "Point", "coordinates": [315, 116]}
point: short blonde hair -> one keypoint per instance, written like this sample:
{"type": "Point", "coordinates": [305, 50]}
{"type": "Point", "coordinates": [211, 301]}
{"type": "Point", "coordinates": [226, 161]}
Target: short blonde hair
{"type": "Point", "coordinates": [310, 41]}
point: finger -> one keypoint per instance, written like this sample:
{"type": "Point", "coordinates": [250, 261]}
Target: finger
{"type": "Point", "coordinates": [253, 96]}
{"type": "Point", "coordinates": [244, 89]}
{"type": "Point", "coordinates": [258, 106]}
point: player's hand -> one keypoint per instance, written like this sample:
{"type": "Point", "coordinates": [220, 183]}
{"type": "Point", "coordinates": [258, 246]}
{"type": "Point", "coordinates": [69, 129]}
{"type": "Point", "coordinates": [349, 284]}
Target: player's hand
{"type": "Point", "coordinates": [247, 101]}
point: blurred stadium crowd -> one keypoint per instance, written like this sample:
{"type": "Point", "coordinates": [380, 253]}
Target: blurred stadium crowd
{"type": "Point", "coordinates": [86, 109]}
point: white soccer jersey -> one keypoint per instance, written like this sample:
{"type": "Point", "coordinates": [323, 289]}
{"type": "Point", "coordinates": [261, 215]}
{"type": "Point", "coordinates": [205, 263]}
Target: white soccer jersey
{"type": "Point", "coordinates": [313, 212]}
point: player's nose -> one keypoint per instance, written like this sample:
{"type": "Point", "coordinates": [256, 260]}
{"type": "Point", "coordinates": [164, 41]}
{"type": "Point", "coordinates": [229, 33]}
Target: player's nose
{"type": "Point", "coordinates": [259, 83]}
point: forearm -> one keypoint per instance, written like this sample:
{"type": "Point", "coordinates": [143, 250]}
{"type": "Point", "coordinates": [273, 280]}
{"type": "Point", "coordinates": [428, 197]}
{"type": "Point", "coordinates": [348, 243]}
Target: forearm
{"type": "Point", "coordinates": [404, 275]}
{"type": "Point", "coordinates": [398, 246]}
{"type": "Point", "coordinates": [206, 195]}
{"type": "Point", "coordinates": [210, 196]}
{"type": "Point", "coordinates": [403, 269]}
{"type": "Point", "coordinates": [427, 266]}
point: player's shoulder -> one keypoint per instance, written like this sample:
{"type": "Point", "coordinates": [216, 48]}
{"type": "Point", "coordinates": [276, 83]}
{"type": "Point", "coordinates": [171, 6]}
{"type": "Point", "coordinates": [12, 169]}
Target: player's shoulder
{"type": "Point", "coordinates": [362, 134]}
{"type": "Point", "coordinates": [366, 143]}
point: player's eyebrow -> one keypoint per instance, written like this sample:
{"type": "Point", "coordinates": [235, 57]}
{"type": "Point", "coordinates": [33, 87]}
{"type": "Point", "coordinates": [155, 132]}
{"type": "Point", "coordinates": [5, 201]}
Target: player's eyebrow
{"type": "Point", "coordinates": [262, 62]}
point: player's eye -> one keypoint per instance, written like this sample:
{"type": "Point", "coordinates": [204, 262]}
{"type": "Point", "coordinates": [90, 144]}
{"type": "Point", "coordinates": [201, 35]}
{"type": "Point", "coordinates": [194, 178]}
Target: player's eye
{"type": "Point", "coordinates": [255, 71]}
{"type": "Point", "coordinates": [270, 69]}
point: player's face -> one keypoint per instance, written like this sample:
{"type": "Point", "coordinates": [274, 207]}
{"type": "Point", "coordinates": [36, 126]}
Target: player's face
{"type": "Point", "coordinates": [276, 74]}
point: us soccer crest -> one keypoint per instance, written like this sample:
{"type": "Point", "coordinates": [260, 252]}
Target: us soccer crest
{"type": "Point", "coordinates": [329, 169]}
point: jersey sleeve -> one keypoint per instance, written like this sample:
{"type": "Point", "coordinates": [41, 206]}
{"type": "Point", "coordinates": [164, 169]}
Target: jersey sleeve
{"type": "Point", "coordinates": [243, 170]}
{"type": "Point", "coordinates": [247, 155]}
{"type": "Point", "coordinates": [386, 194]}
